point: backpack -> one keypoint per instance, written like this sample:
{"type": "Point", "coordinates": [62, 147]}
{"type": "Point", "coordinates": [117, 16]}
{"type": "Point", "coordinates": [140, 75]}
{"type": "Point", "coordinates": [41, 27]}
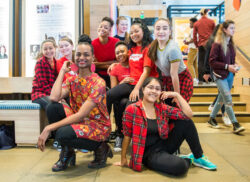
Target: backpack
{"type": "Point", "coordinates": [7, 137]}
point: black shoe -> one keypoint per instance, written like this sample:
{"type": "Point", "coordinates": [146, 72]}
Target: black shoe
{"type": "Point", "coordinates": [101, 154]}
{"type": "Point", "coordinates": [66, 157]}
{"type": "Point", "coordinates": [213, 123]}
{"type": "Point", "coordinates": [237, 128]}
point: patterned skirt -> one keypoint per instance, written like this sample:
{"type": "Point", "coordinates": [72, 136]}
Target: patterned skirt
{"type": "Point", "coordinates": [186, 84]}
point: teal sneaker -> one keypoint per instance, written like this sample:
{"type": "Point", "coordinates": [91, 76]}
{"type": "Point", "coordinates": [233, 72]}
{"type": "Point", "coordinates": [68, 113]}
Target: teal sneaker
{"type": "Point", "coordinates": [188, 156]}
{"type": "Point", "coordinates": [203, 162]}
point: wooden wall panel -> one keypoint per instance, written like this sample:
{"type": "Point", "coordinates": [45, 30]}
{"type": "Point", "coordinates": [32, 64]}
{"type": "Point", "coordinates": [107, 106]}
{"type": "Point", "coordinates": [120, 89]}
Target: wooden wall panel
{"type": "Point", "coordinates": [243, 90]}
{"type": "Point", "coordinates": [242, 19]}
{"type": "Point", "coordinates": [86, 17]}
{"type": "Point", "coordinates": [98, 10]}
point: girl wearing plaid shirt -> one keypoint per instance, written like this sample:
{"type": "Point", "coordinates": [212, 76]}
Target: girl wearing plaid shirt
{"type": "Point", "coordinates": [45, 74]}
{"type": "Point", "coordinates": [154, 140]}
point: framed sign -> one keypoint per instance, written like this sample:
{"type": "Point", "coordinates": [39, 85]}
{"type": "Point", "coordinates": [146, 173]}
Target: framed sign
{"type": "Point", "coordinates": [44, 19]}
{"type": "Point", "coordinates": [6, 11]}
{"type": "Point", "coordinates": [181, 31]}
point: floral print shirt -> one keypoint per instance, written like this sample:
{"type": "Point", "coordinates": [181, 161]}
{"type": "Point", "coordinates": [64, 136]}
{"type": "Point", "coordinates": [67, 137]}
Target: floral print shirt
{"type": "Point", "coordinates": [96, 126]}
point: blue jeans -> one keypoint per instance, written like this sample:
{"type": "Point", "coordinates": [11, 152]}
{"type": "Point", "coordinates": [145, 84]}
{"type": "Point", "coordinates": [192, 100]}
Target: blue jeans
{"type": "Point", "coordinates": [225, 97]}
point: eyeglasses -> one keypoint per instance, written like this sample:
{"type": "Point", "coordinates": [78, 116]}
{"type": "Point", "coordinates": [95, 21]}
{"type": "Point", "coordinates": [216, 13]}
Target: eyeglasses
{"type": "Point", "coordinates": [157, 88]}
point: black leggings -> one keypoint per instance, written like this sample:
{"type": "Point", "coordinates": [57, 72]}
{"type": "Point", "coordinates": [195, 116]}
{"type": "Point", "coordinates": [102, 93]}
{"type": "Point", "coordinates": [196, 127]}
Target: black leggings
{"type": "Point", "coordinates": [160, 157]}
{"type": "Point", "coordinates": [118, 93]}
{"type": "Point", "coordinates": [43, 101]}
{"type": "Point", "coordinates": [119, 108]}
{"type": "Point", "coordinates": [65, 135]}
{"type": "Point", "coordinates": [118, 96]}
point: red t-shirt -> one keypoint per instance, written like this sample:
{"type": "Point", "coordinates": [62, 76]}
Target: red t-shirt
{"type": "Point", "coordinates": [120, 72]}
{"type": "Point", "coordinates": [104, 52]}
{"type": "Point", "coordinates": [59, 64]}
{"type": "Point", "coordinates": [137, 61]}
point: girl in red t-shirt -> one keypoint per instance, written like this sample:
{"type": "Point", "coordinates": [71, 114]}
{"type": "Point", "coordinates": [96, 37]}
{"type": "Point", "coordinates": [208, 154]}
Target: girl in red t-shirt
{"type": "Point", "coordinates": [140, 67]}
{"type": "Point", "coordinates": [118, 75]}
{"type": "Point", "coordinates": [66, 48]}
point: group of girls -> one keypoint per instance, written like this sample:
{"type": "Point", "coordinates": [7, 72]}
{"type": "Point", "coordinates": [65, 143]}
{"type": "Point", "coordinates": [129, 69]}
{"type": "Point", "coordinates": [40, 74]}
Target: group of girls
{"type": "Point", "coordinates": [156, 129]}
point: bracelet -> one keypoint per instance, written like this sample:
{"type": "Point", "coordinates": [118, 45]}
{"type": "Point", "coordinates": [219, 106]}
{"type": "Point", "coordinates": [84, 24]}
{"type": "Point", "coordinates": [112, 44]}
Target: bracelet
{"type": "Point", "coordinates": [226, 66]}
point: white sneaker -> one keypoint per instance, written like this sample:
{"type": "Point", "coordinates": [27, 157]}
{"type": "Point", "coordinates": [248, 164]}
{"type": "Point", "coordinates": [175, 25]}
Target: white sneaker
{"type": "Point", "coordinates": [195, 81]}
{"type": "Point", "coordinates": [226, 120]}
{"type": "Point", "coordinates": [211, 107]}
{"type": "Point", "coordinates": [118, 144]}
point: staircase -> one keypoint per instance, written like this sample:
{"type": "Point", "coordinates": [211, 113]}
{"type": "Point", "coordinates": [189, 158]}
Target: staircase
{"type": "Point", "coordinates": [204, 95]}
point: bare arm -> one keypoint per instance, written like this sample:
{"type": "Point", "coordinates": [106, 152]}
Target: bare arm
{"type": "Point", "coordinates": [184, 106]}
{"type": "Point", "coordinates": [125, 145]}
{"type": "Point", "coordinates": [135, 93]}
{"type": "Point", "coordinates": [113, 81]}
{"type": "Point", "coordinates": [57, 92]}
{"type": "Point", "coordinates": [104, 65]}
{"type": "Point", "coordinates": [174, 76]}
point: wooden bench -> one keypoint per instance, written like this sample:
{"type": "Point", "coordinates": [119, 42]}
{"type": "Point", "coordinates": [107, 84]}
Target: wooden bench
{"type": "Point", "coordinates": [28, 117]}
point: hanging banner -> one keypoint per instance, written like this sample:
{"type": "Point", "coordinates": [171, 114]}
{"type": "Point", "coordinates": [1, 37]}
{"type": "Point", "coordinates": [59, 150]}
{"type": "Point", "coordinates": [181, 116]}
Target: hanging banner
{"type": "Point", "coordinates": [44, 19]}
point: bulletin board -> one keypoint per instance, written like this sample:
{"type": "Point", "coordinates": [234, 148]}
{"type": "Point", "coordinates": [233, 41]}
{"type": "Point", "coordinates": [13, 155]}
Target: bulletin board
{"type": "Point", "coordinates": [44, 19]}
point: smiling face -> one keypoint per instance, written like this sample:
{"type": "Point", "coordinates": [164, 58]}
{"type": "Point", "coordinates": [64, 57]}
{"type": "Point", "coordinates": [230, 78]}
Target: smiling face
{"type": "Point", "coordinates": [83, 56]}
{"type": "Point", "coordinates": [136, 34]}
{"type": "Point", "coordinates": [104, 29]}
{"type": "Point", "coordinates": [65, 48]}
{"type": "Point", "coordinates": [151, 92]}
{"type": "Point", "coordinates": [230, 30]}
{"type": "Point", "coordinates": [162, 30]}
{"type": "Point", "coordinates": [121, 53]}
{"type": "Point", "coordinates": [48, 50]}
{"type": "Point", "coordinates": [123, 26]}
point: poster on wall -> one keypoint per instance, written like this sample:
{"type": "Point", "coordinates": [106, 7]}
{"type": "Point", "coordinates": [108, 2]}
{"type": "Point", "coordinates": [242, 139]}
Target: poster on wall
{"type": "Point", "coordinates": [4, 38]}
{"type": "Point", "coordinates": [181, 31]}
{"type": "Point", "coordinates": [45, 19]}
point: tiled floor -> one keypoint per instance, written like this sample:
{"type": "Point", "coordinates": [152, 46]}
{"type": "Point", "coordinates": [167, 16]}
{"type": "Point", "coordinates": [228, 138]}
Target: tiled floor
{"type": "Point", "coordinates": [230, 152]}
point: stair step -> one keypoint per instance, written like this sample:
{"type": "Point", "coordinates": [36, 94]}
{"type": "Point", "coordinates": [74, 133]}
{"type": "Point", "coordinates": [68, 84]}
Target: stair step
{"type": "Point", "coordinates": [203, 106]}
{"type": "Point", "coordinates": [202, 117]}
{"type": "Point", "coordinates": [207, 88]}
{"type": "Point", "coordinates": [209, 97]}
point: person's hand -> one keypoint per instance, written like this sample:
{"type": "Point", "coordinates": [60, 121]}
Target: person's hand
{"type": "Point", "coordinates": [43, 137]}
{"type": "Point", "coordinates": [233, 68]}
{"type": "Point", "coordinates": [165, 95]}
{"type": "Point", "coordinates": [134, 95]}
{"type": "Point", "coordinates": [111, 67]}
{"type": "Point", "coordinates": [185, 42]}
{"type": "Point", "coordinates": [123, 163]}
{"type": "Point", "coordinates": [66, 66]}
{"type": "Point", "coordinates": [206, 77]}
{"type": "Point", "coordinates": [127, 80]}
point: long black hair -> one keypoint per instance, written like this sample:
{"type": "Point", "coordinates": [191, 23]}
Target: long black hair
{"type": "Point", "coordinates": [146, 39]}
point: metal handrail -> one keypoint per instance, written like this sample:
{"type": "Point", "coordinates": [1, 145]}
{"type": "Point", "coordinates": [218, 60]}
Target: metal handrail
{"type": "Point", "coordinates": [244, 54]}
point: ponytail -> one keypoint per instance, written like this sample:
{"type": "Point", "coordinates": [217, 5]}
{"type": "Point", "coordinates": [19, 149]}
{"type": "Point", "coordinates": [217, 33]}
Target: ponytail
{"type": "Point", "coordinates": [152, 52]}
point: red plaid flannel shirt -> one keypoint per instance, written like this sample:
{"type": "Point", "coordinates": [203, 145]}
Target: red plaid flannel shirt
{"type": "Point", "coordinates": [135, 126]}
{"type": "Point", "coordinates": [44, 78]}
